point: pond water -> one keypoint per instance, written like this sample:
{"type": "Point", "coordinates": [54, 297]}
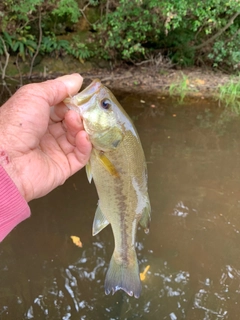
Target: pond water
{"type": "Point", "coordinates": [193, 247]}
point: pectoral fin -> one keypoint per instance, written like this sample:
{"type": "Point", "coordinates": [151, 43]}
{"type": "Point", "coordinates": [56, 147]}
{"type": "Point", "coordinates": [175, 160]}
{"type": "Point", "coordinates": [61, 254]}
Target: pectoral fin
{"type": "Point", "coordinates": [89, 172]}
{"type": "Point", "coordinates": [100, 222]}
{"type": "Point", "coordinates": [107, 164]}
{"type": "Point", "coordinates": [116, 142]}
{"type": "Point", "coordinates": [146, 217]}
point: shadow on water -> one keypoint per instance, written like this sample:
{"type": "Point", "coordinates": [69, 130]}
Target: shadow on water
{"type": "Point", "coordinates": [192, 249]}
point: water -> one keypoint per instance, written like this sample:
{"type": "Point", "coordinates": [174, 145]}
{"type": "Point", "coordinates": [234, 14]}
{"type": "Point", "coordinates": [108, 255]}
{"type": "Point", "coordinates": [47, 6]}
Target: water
{"type": "Point", "coordinates": [193, 247]}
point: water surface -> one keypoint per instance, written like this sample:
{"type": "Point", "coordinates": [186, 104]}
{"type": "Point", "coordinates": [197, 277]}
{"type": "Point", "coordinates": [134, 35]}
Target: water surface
{"type": "Point", "coordinates": [193, 248]}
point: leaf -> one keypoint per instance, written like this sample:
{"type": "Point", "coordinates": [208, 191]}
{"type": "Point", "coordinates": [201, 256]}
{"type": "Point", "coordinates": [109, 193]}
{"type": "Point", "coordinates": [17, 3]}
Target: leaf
{"type": "Point", "coordinates": [31, 43]}
{"type": "Point", "coordinates": [7, 38]}
{"type": "Point", "coordinates": [15, 46]}
{"type": "Point", "coordinates": [199, 82]}
{"type": "Point", "coordinates": [76, 241]}
{"type": "Point", "coordinates": [143, 274]}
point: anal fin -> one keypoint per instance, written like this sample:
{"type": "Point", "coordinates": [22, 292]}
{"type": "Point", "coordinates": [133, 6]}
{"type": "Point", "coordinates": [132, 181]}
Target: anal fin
{"type": "Point", "coordinates": [99, 222]}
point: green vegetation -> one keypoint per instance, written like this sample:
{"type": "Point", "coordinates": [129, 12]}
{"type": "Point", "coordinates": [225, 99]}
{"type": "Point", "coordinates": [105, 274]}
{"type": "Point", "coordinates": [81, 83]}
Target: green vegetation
{"type": "Point", "coordinates": [181, 88]}
{"type": "Point", "coordinates": [186, 32]}
{"type": "Point", "coordinates": [189, 32]}
{"type": "Point", "coordinates": [229, 95]}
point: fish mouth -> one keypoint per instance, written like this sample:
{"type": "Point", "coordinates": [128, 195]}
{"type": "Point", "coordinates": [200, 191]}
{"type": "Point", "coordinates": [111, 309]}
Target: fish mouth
{"type": "Point", "coordinates": [80, 101]}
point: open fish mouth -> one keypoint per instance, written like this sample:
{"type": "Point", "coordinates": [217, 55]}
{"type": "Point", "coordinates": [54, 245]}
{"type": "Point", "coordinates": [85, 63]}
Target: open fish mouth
{"type": "Point", "coordinates": [80, 101]}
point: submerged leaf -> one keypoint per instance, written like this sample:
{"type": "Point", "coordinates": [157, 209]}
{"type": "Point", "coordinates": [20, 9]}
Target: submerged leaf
{"type": "Point", "coordinates": [143, 274]}
{"type": "Point", "coordinates": [76, 241]}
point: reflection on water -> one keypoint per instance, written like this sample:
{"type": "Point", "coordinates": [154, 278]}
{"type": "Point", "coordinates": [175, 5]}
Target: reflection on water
{"type": "Point", "coordinates": [193, 246]}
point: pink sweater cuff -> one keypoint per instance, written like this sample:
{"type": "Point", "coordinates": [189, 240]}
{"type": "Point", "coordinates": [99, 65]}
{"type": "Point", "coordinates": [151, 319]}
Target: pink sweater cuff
{"type": "Point", "coordinates": [13, 207]}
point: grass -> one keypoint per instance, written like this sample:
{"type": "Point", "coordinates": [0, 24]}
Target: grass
{"type": "Point", "coordinates": [229, 95]}
{"type": "Point", "coordinates": [181, 88]}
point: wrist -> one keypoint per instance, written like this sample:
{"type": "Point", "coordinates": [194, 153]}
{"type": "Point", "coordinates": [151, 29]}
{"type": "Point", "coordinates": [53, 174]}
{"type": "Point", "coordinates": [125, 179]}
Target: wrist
{"type": "Point", "coordinates": [7, 162]}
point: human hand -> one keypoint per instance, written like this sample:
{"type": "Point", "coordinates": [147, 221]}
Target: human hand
{"type": "Point", "coordinates": [40, 145]}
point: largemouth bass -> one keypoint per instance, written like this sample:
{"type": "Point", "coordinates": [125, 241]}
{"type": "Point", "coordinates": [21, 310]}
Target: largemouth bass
{"type": "Point", "coordinates": [118, 168]}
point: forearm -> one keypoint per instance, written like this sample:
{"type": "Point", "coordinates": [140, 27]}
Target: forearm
{"type": "Point", "coordinates": [13, 207]}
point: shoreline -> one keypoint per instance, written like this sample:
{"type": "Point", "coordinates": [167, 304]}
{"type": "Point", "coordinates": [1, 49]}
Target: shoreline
{"type": "Point", "coordinates": [190, 82]}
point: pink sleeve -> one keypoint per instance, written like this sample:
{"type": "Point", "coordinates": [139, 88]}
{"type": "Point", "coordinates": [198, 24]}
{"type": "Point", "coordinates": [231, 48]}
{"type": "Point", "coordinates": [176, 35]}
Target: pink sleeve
{"type": "Point", "coordinates": [13, 207]}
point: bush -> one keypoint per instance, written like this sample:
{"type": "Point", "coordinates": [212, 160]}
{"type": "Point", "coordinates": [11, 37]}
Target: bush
{"type": "Point", "coordinates": [188, 32]}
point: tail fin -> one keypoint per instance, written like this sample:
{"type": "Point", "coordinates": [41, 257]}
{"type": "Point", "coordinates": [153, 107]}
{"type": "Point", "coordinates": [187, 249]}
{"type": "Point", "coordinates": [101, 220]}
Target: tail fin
{"type": "Point", "coordinates": [125, 277]}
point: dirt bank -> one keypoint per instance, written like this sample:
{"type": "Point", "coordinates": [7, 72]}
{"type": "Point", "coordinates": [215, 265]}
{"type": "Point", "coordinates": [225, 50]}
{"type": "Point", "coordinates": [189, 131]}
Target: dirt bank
{"type": "Point", "coordinates": [197, 82]}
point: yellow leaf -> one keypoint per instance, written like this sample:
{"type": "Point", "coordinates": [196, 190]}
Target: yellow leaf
{"type": "Point", "coordinates": [143, 274]}
{"type": "Point", "coordinates": [76, 241]}
{"type": "Point", "coordinates": [199, 81]}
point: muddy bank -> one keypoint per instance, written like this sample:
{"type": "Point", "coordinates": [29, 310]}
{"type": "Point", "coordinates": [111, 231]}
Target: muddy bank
{"type": "Point", "coordinates": [147, 78]}
{"type": "Point", "coordinates": [199, 83]}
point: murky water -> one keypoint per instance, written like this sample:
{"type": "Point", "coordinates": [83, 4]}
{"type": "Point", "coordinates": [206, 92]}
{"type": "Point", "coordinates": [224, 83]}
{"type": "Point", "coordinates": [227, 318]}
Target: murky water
{"type": "Point", "coordinates": [193, 248]}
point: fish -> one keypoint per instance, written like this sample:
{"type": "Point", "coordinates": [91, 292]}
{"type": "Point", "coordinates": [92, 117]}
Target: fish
{"type": "Point", "coordinates": [118, 168]}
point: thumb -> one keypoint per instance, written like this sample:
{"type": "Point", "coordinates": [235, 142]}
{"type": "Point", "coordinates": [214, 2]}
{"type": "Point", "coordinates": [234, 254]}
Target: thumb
{"type": "Point", "coordinates": [47, 93]}
{"type": "Point", "coordinates": [57, 90]}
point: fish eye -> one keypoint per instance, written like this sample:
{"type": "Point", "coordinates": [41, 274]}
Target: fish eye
{"type": "Point", "coordinates": [105, 104]}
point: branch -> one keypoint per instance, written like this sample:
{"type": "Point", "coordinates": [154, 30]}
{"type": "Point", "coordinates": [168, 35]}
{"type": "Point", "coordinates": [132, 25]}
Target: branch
{"type": "Point", "coordinates": [218, 33]}
{"type": "Point", "coordinates": [39, 43]}
{"type": "Point", "coordinates": [19, 71]}
{"type": "Point", "coordinates": [7, 59]}
{"type": "Point", "coordinates": [107, 7]}
{"type": "Point", "coordinates": [83, 14]}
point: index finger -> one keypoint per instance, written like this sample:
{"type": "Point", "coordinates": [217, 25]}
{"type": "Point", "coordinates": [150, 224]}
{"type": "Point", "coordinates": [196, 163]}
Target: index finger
{"type": "Point", "coordinates": [58, 112]}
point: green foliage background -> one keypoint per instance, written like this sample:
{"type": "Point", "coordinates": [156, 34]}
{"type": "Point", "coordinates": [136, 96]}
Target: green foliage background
{"type": "Point", "coordinates": [187, 32]}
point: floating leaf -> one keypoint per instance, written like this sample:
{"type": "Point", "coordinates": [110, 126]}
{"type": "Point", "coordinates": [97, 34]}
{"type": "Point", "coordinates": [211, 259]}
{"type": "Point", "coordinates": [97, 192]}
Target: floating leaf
{"type": "Point", "coordinates": [76, 241]}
